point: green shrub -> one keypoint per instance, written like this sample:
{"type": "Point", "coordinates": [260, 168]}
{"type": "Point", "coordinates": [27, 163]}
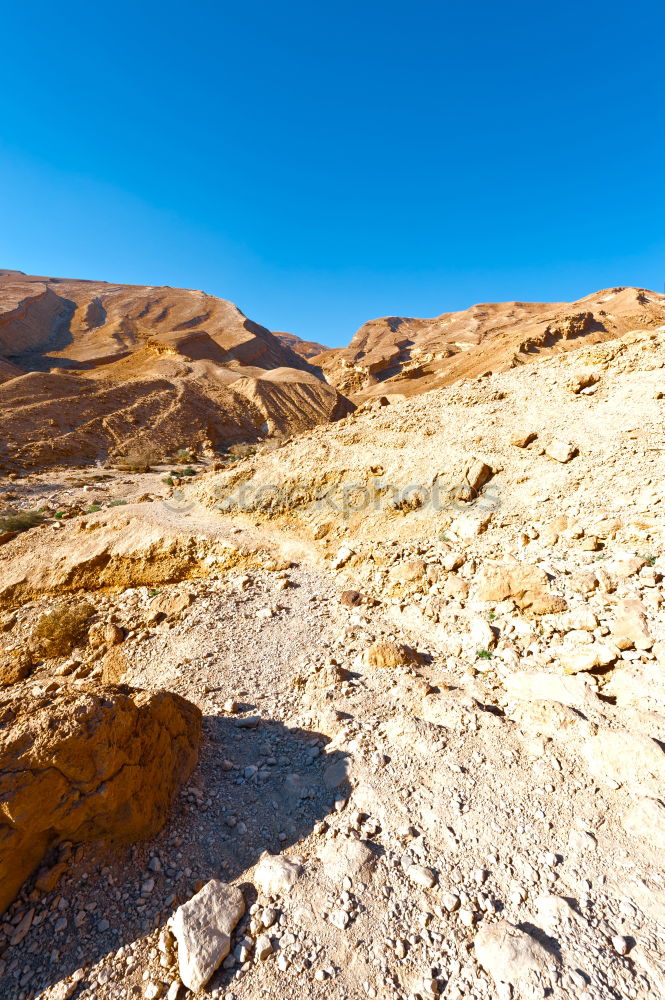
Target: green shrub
{"type": "Point", "coordinates": [484, 654]}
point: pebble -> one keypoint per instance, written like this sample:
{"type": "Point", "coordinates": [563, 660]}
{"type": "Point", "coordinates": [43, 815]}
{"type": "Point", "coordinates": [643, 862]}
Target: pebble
{"type": "Point", "coordinates": [621, 944]}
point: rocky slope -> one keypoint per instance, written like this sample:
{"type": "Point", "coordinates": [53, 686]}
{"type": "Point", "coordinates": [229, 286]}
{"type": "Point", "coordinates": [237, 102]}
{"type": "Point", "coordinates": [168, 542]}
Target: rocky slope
{"type": "Point", "coordinates": [403, 357]}
{"type": "Point", "coordinates": [428, 645]}
{"type": "Point", "coordinates": [115, 368]}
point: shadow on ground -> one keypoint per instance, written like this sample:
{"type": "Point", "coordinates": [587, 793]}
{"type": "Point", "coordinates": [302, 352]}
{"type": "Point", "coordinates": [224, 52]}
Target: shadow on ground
{"type": "Point", "coordinates": [254, 790]}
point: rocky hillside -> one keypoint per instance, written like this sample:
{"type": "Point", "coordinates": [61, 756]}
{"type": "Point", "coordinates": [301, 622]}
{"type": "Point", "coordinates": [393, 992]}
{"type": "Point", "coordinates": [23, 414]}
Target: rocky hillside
{"type": "Point", "coordinates": [404, 357]}
{"type": "Point", "coordinates": [427, 644]}
{"type": "Point", "coordinates": [90, 370]}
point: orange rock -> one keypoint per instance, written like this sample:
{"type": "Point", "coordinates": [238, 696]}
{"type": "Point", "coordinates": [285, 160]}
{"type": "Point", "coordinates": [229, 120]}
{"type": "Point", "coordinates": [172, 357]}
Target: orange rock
{"type": "Point", "coordinates": [97, 764]}
{"type": "Point", "coordinates": [15, 665]}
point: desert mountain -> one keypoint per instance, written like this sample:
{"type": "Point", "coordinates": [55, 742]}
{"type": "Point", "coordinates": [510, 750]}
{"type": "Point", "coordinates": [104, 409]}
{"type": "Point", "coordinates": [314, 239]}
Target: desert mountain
{"type": "Point", "coordinates": [89, 369]}
{"type": "Point", "coordinates": [305, 348]}
{"type": "Point", "coordinates": [403, 356]}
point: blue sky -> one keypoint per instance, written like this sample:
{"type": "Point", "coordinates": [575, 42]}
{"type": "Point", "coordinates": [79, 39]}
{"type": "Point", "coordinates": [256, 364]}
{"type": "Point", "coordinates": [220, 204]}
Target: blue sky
{"type": "Point", "coordinates": [324, 164]}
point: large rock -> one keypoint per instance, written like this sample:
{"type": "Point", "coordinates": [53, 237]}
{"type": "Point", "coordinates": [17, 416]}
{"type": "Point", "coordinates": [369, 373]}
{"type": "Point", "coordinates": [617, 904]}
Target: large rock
{"type": "Point", "coordinates": [15, 665]}
{"type": "Point", "coordinates": [630, 628]}
{"type": "Point", "coordinates": [526, 585]}
{"type": "Point", "coordinates": [385, 653]}
{"type": "Point", "coordinates": [202, 927]}
{"type": "Point", "coordinates": [88, 765]}
{"type": "Point", "coordinates": [625, 758]}
{"type": "Point", "coordinates": [646, 819]}
{"type": "Point", "coordinates": [512, 956]}
{"type": "Point", "coordinates": [537, 686]}
{"type": "Point", "coordinates": [277, 873]}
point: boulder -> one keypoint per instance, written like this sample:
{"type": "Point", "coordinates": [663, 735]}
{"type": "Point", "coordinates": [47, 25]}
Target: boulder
{"type": "Point", "coordinates": [646, 819]}
{"type": "Point", "coordinates": [92, 764]}
{"type": "Point", "coordinates": [510, 955]}
{"type": "Point", "coordinates": [630, 627]}
{"type": "Point", "coordinates": [538, 686]}
{"type": "Point", "coordinates": [276, 873]}
{"type": "Point", "coordinates": [202, 927]}
{"type": "Point", "coordinates": [561, 451]}
{"type": "Point", "coordinates": [523, 438]}
{"type": "Point", "coordinates": [588, 657]}
{"type": "Point", "coordinates": [384, 653]}
{"type": "Point", "coordinates": [475, 477]}
{"type": "Point", "coordinates": [342, 856]}
{"type": "Point", "coordinates": [15, 665]}
{"type": "Point", "coordinates": [621, 757]}
{"type": "Point", "coordinates": [526, 585]}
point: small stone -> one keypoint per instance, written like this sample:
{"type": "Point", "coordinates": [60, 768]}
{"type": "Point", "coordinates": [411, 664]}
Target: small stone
{"type": "Point", "coordinates": [621, 944]}
{"type": "Point", "coordinates": [421, 875]}
{"type": "Point", "coordinates": [152, 991]}
{"type": "Point", "coordinates": [450, 902]}
{"type": "Point", "coordinates": [339, 918]}
{"type": "Point", "coordinates": [561, 451]}
{"type": "Point", "coordinates": [263, 947]}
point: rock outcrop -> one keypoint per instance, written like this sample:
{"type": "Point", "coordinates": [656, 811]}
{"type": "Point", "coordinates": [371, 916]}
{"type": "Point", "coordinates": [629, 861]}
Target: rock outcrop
{"type": "Point", "coordinates": [98, 764]}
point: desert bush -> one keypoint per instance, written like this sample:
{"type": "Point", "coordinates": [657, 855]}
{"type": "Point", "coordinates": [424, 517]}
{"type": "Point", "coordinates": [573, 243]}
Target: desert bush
{"type": "Point", "coordinates": [60, 630]}
{"type": "Point", "coordinates": [19, 520]}
{"type": "Point", "coordinates": [183, 456]}
{"type": "Point", "coordinates": [138, 460]}
{"type": "Point", "coordinates": [243, 450]}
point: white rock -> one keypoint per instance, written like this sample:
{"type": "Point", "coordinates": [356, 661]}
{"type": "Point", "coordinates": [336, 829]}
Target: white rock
{"type": "Point", "coordinates": [421, 875]}
{"type": "Point", "coordinates": [346, 857]}
{"type": "Point", "coordinates": [631, 759]}
{"type": "Point", "coordinates": [621, 944]}
{"type": "Point", "coordinates": [263, 947]}
{"type": "Point", "coordinates": [560, 451]}
{"type": "Point", "coordinates": [646, 819]}
{"type": "Point", "coordinates": [276, 873]}
{"type": "Point", "coordinates": [538, 686]}
{"type": "Point", "coordinates": [481, 634]}
{"type": "Point", "coordinates": [512, 956]}
{"type": "Point", "coordinates": [344, 553]}
{"type": "Point", "coordinates": [202, 927]}
{"type": "Point", "coordinates": [339, 918]}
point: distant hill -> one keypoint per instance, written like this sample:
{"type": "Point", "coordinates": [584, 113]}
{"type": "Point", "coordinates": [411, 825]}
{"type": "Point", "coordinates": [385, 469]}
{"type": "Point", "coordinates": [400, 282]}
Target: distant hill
{"type": "Point", "coordinates": [305, 348]}
{"type": "Point", "coordinates": [90, 369]}
{"type": "Point", "coordinates": [404, 356]}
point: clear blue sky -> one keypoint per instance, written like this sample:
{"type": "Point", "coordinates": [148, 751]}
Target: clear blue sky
{"type": "Point", "coordinates": [323, 164]}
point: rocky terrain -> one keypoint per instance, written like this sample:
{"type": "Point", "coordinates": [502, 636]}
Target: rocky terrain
{"type": "Point", "coordinates": [403, 357]}
{"type": "Point", "coordinates": [90, 370]}
{"type": "Point", "coordinates": [420, 653]}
